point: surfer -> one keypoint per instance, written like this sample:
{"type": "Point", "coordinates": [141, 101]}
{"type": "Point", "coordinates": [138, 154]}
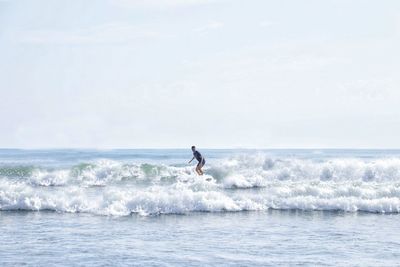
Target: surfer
{"type": "Point", "coordinates": [200, 159]}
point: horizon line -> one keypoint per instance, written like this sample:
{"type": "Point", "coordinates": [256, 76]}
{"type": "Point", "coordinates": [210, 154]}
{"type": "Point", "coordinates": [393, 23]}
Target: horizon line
{"type": "Point", "coordinates": [205, 148]}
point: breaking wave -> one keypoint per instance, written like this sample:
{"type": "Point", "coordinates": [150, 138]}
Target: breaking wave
{"type": "Point", "coordinates": [255, 182]}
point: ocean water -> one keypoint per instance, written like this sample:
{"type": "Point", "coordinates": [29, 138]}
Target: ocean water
{"type": "Point", "coordinates": [149, 208]}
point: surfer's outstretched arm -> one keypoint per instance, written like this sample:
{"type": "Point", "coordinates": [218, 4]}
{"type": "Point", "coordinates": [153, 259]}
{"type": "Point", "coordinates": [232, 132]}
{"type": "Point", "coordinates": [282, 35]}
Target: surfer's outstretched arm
{"type": "Point", "coordinates": [191, 160]}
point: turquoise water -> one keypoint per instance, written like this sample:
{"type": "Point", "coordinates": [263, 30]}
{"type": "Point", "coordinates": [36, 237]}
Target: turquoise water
{"type": "Point", "coordinates": [148, 208]}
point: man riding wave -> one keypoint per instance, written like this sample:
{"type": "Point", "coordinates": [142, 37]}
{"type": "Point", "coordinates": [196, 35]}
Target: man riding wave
{"type": "Point", "coordinates": [200, 159]}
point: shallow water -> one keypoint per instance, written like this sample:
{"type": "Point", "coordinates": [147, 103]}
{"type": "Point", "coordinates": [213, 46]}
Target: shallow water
{"type": "Point", "coordinates": [271, 238]}
{"type": "Point", "coordinates": [147, 207]}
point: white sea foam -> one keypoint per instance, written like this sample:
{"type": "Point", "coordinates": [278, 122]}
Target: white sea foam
{"type": "Point", "coordinates": [244, 183]}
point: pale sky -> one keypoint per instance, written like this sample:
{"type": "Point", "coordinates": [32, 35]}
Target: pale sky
{"type": "Point", "coordinates": [215, 73]}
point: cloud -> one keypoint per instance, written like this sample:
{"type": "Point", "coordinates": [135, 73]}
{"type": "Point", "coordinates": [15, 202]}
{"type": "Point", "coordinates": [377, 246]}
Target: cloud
{"type": "Point", "coordinates": [368, 89]}
{"type": "Point", "coordinates": [113, 33]}
{"type": "Point", "coordinates": [159, 3]}
{"type": "Point", "coordinates": [212, 25]}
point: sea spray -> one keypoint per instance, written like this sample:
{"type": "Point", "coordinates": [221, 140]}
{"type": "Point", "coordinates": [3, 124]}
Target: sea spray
{"type": "Point", "coordinates": [238, 183]}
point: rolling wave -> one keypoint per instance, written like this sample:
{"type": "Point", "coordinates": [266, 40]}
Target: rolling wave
{"type": "Point", "coordinates": [255, 182]}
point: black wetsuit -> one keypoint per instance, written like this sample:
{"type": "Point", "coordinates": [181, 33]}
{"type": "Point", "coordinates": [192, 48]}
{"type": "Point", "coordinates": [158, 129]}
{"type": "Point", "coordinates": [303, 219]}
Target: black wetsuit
{"type": "Point", "coordinates": [199, 158]}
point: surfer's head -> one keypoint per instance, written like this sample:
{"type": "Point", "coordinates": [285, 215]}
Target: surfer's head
{"type": "Point", "coordinates": [193, 148]}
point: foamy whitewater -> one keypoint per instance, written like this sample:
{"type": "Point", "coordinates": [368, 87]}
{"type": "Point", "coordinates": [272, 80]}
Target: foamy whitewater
{"type": "Point", "coordinates": [149, 208]}
{"type": "Point", "coordinates": [157, 182]}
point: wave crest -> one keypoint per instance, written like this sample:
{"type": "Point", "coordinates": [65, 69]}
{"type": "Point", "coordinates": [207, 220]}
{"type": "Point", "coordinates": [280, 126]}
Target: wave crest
{"type": "Point", "coordinates": [243, 183]}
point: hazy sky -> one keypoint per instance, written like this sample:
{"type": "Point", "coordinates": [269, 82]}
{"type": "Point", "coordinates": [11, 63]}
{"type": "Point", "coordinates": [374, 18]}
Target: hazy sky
{"type": "Point", "coordinates": [216, 73]}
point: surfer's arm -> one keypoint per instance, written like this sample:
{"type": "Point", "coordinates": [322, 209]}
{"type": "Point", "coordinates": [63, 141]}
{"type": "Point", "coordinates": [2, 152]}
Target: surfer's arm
{"type": "Point", "coordinates": [191, 160]}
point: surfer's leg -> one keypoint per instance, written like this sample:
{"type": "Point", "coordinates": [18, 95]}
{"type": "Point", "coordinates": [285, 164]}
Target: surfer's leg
{"type": "Point", "coordinates": [198, 170]}
{"type": "Point", "coordinates": [203, 162]}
